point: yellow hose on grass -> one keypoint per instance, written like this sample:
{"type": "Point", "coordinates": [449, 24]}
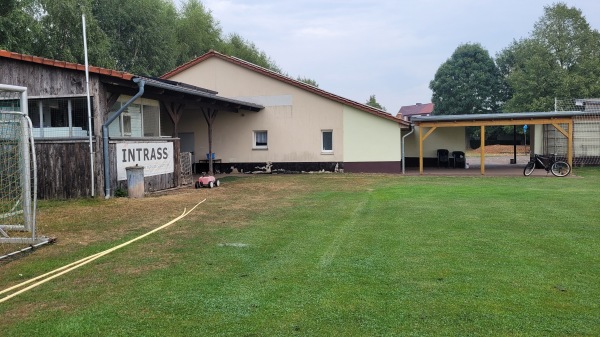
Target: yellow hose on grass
{"type": "Point", "coordinates": [72, 266]}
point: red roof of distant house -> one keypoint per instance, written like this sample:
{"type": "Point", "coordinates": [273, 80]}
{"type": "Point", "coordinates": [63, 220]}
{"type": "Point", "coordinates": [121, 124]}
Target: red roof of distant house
{"type": "Point", "coordinates": [66, 65]}
{"type": "Point", "coordinates": [285, 79]}
{"type": "Point", "coordinates": [417, 109]}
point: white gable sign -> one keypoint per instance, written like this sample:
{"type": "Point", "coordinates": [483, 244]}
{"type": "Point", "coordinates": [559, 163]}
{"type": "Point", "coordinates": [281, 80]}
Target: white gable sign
{"type": "Point", "coordinates": [156, 158]}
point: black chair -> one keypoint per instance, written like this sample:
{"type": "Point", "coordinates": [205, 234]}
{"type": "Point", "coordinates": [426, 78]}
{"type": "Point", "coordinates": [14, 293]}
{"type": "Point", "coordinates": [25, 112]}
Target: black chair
{"type": "Point", "coordinates": [459, 159]}
{"type": "Point", "coordinates": [443, 157]}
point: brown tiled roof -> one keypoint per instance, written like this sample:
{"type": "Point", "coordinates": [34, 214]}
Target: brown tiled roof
{"type": "Point", "coordinates": [417, 109]}
{"type": "Point", "coordinates": [66, 65]}
{"type": "Point", "coordinates": [285, 79]}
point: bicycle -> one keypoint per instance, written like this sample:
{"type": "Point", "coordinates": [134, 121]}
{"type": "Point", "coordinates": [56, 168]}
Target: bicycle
{"type": "Point", "coordinates": [558, 168]}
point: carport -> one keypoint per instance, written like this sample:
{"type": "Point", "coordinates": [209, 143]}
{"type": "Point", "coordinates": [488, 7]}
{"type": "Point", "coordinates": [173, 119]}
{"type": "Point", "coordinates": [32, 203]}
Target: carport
{"type": "Point", "coordinates": [428, 124]}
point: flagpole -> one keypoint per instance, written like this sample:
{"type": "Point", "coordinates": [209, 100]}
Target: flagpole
{"type": "Point", "coordinates": [89, 106]}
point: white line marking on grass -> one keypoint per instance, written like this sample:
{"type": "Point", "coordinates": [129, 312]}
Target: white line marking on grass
{"type": "Point", "coordinates": [341, 235]}
{"type": "Point", "coordinates": [234, 244]}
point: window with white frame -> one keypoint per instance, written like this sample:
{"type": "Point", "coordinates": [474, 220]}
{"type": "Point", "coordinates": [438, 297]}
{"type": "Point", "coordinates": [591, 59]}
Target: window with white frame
{"type": "Point", "coordinates": [59, 117]}
{"type": "Point", "coordinates": [139, 119]}
{"type": "Point", "coordinates": [327, 141]}
{"type": "Point", "coordinates": [260, 139]}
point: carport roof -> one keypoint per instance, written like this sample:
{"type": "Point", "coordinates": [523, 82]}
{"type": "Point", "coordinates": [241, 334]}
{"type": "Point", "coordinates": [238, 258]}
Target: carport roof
{"type": "Point", "coordinates": [512, 116]}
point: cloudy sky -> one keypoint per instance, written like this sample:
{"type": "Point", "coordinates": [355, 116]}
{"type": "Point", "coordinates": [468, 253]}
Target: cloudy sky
{"type": "Point", "coordinates": [391, 49]}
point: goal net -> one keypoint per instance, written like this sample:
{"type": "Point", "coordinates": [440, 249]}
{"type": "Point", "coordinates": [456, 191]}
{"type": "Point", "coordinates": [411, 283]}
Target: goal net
{"type": "Point", "coordinates": [18, 183]}
{"type": "Point", "coordinates": [586, 132]}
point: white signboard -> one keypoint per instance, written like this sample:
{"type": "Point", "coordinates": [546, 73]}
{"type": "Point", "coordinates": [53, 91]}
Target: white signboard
{"type": "Point", "coordinates": [156, 158]}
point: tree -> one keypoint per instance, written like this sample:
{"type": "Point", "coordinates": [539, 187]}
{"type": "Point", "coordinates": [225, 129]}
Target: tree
{"type": "Point", "coordinates": [561, 59]}
{"type": "Point", "coordinates": [467, 83]}
{"type": "Point", "coordinates": [373, 102]}
{"type": "Point", "coordinates": [197, 31]}
{"type": "Point", "coordinates": [142, 34]}
{"type": "Point", "coordinates": [237, 46]}
{"type": "Point", "coordinates": [308, 81]}
{"type": "Point", "coordinates": [18, 28]}
{"type": "Point", "coordinates": [145, 37]}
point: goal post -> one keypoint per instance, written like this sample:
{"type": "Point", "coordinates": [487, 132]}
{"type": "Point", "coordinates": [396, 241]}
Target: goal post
{"type": "Point", "coordinates": [586, 132]}
{"type": "Point", "coordinates": [18, 170]}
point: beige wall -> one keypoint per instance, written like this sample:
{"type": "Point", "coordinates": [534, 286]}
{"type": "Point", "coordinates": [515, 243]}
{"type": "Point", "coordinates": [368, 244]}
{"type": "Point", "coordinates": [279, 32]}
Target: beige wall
{"type": "Point", "coordinates": [294, 119]}
{"type": "Point", "coordinates": [370, 138]}
{"type": "Point", "coordinates": [452, 139]}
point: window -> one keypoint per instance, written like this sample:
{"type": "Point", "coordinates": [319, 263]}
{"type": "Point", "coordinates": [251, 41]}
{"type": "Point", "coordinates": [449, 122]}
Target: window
{"type": "Point", "coordinates": [139, 119]}
{"type": "Point", "coordinates": [260, 140]}
{"type": "Point", "coordinates": [126, 125]}
{"type": "Point", "coordinates": [59, 117]}
{"type": "Point", "coordinates": [327, 144]}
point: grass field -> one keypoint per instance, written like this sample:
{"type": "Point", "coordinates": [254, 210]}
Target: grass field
{"type": "Point", "coordinates": [323, 255]}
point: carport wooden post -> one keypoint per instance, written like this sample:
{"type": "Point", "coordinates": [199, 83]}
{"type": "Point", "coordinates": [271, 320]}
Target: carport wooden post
{"type": "Point", "coordinates": [209, 116]}
{"type": "Point", "coordinates": [174, 110]}
{"type": "Point", "coordinates": [421, 150]}
{"type": "Point", "coordinates": [421, 139]}
{"type": "Point", "coordinates": [570, 143]}
{"type": "Point", "coordinates": [569, 134]}
{"type": "Point", "coordinates": [482, 149]}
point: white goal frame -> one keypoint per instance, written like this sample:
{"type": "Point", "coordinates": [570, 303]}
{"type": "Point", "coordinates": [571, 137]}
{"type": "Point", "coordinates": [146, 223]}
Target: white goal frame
{"type": "Point", "coordinates": [28, 171]}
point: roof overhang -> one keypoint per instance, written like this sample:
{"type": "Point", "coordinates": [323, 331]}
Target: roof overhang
{"type": "Point", "coordinates": [517, 118]}
{"type": "Point", "coordinates": [170, 91]}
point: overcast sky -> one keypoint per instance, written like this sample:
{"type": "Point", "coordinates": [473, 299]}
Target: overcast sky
{"type": "Point", "coordinates": [391, 49]}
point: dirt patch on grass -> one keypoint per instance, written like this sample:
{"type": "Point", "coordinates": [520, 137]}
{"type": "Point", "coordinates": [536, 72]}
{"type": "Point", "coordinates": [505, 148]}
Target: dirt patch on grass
{"type": "Point", "coordinates": [86, 222]}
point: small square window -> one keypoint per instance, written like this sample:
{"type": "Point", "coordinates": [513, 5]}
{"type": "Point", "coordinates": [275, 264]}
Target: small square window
{"type": "Point", "coordinates": [126, 125]}
{"type": "Point", "coordinates": [260, 140]}
{"type": "Point", "coordinates": [327, 144]}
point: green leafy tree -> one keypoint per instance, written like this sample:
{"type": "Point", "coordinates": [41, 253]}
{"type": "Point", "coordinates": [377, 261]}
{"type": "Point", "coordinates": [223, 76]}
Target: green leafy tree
{"type": "Point", "coordinates": [467, 83]}
{"type": "Point", "coordinates": [308, 81]}
{"type": "Point", "coordinates": [19, 31]}
{"type": "Point", "coordinates": [142, 34]}
{"type": "Point", "coordinates": [560, 59]}
{"type": "Point", "coordinates": [52, 29]}
{"type": "Point", "coordinates": [373, 102]}
{"type": "Point", "coordinates": [197, 31]}
{"type": "Point", "coordinates": [237, 46]}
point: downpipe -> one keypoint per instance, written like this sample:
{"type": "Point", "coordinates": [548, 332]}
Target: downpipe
{"type": "Point", "coordinates": [412, 129]}
{"type": "Point", "coordinates": [140, 82]}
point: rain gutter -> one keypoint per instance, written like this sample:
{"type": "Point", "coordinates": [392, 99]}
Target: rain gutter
{"type": "Point", "coordinates": [412, 129]}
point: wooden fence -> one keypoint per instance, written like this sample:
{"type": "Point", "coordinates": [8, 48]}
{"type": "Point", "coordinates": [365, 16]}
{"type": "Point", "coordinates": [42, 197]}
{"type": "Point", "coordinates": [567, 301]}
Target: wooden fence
{"type": "Point", "coordinates": [64, 170]}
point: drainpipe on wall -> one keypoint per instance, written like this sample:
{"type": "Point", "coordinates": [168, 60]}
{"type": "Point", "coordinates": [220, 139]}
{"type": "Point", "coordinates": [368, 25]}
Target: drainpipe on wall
{"type": "Point", "coordinates": [412, 129]}
{"type": "Point", "coordinates": [140, 82]}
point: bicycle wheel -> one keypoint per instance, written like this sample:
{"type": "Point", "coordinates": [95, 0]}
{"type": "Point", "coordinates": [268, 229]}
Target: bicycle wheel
{"type": "Point", "coordinates": [529, 168]}
{"type": "Point", "coordinates": [560, 168]}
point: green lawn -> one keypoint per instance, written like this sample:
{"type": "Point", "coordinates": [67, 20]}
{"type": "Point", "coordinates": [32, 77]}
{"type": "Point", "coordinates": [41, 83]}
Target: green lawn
{"type": "Point", "coordinates": [323, 255]}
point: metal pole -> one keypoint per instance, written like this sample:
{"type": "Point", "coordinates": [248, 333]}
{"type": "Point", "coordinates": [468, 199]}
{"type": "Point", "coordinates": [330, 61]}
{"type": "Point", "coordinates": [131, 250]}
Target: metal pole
{"type": "Point", "coordinates": [514, 144]}
{"type": "Point", "coordinates": [25, 173]}
{"type": "Point", "coordinates": [89, 107]}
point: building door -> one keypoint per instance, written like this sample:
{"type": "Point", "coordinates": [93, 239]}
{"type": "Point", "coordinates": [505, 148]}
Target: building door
{"type": "Point", "coordinates": [187, 143]}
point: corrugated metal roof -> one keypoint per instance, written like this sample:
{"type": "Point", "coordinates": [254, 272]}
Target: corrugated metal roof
{"type": "Point", "coordinates": [173, 86]}
{"type": "Point", "coordinates": [496, 116]}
